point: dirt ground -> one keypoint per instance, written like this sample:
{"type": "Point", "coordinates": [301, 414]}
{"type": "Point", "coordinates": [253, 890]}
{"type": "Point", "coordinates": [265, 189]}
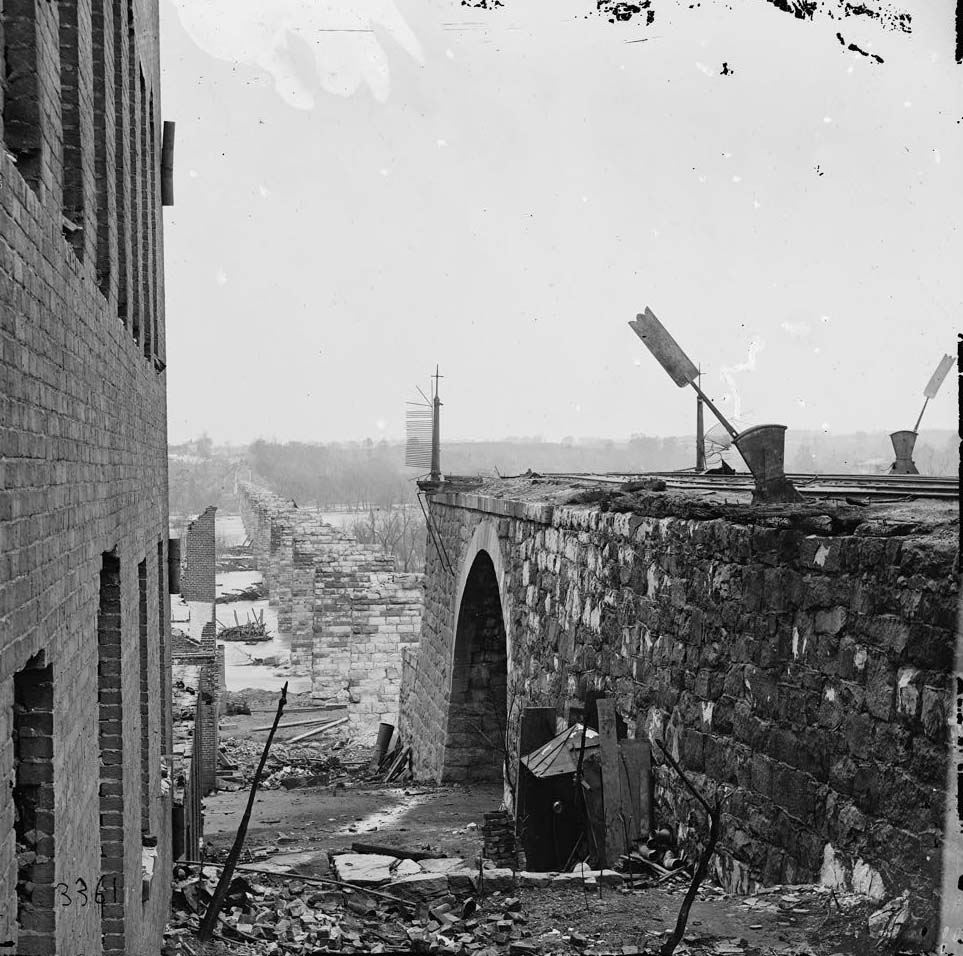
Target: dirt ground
{"type": "Point", "coordinates": [331, 818]}
{"type": "Point", "coordinates": [295, 830]}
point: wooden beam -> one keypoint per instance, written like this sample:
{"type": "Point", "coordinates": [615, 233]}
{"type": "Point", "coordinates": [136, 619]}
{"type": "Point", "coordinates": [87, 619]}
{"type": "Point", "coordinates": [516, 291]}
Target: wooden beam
{"type": "Point", "coordinates": [317, 730]}
{"type": "Point", "coordinates": [611, 784]}
{"type": "Point", "coordinates": [636, 767]}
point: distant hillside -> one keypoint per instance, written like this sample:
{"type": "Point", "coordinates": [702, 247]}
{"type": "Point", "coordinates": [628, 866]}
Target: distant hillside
{"type": "Point", "coordinates": [362, 475]}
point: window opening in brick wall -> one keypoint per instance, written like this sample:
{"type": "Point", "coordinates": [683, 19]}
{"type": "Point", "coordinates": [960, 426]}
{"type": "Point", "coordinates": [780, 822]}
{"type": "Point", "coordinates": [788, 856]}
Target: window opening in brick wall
{"type": "Point", "coordinates": [144, 653]}
{"type": "Point", "coordinates": [22, 130]}
{"type": "Point", "coordinates": [121, 174]}
{"type": "Point", "coordinates": [135, 178]}
{"type": "Point", "coordinates": [33, 803]}
{"type": "Point", "coordinates": [72, 143]}
{"type": "Point", "coordinates": [103, 65]}
{"type": "Point", "coordinates": [145, 203]}
{"type": "Point", "coordinates": [165, 689]}
{"type": "Point", "coordinates": [111, 740]}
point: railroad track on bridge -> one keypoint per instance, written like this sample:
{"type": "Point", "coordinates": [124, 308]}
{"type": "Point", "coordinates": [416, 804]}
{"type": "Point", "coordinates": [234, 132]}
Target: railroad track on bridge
{"type": "Point", "coordinates": [877, 487]}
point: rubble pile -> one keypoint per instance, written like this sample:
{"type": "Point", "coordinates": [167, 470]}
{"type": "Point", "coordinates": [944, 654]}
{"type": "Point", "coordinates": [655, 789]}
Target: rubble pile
{"type": "Point", "coordinates": [288, 765]}
{"type": "Point", "coordinates": [237, 558]}
{"type": "Point", "coordinates": [277, 914]}
{"type": "Point", "coordinates": [377, 903]}
{"type": "Point", "coordinates": [253, 592]}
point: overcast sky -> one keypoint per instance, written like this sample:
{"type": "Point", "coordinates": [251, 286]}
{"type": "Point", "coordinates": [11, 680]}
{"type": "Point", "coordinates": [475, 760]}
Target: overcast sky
{"type": "Point", "coordinates": [367, 187]}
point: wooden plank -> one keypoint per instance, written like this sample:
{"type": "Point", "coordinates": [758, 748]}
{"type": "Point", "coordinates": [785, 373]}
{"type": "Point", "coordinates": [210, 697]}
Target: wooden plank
{"type": "Point", "coordinates": [611, 789]}
{"type": "Point", "coordinates": [318, 730]}
{"type": "Point", "coordinates": [294, 723]}
{"type": "Point", "coordinates": [629, 817]}
{"type": "Point", "coordinates": [637, 759]}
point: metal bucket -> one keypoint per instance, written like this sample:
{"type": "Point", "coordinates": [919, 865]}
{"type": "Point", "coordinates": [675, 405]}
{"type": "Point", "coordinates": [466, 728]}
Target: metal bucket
{"type": "Point", "coordinates": [763, 448]}
{"type": "Point", "coordinates": [903, 444]}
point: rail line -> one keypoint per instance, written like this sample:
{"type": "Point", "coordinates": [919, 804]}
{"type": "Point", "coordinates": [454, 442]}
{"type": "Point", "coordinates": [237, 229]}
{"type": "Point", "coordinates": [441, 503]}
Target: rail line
{"type": "Point", "coordinates": [892, 487]}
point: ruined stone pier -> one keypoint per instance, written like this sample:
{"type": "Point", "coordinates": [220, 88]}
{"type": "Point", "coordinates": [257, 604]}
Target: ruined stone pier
{"type": "Point", "coordinates": [348, 612]}
{"type": "Point", "coordinates": [798, 656]}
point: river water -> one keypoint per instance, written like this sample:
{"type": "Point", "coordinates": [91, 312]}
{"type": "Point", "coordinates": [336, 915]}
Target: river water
{"type": "Point", "coordinates": [241, 669]}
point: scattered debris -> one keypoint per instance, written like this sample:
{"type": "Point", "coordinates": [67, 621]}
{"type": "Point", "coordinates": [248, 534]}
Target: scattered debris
{"type": "Point", "coordinates": [308, 765]}
{"type": "Point", "coordinates": [253, 592]}
{"type": "Point", "coordinates": [251, 631]}
{"type": "Point", "coordinates": [224, 883]}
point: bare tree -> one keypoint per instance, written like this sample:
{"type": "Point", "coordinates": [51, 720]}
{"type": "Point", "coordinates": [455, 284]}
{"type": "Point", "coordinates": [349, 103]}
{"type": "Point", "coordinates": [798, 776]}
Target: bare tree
{"type": "Point", "coordinates": [399, 531]}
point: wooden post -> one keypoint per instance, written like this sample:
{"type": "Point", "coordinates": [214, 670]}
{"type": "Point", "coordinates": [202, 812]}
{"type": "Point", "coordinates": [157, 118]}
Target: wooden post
{"type": "Point", "coordinates": [214, 907]}
{"type": "Point", "coordinates": [636, 763]}
{"type": "Point", "coordinates": [611, 784]}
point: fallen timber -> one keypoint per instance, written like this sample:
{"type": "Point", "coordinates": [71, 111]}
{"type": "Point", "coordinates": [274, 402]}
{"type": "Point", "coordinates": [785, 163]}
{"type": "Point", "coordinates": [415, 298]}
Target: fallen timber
{"type": "Point", "coordinates": [251, 631]}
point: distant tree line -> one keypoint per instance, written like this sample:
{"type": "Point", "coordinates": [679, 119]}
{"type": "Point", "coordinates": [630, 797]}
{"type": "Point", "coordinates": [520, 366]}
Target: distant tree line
{"type": "Point", "coordinates": [371, 478]}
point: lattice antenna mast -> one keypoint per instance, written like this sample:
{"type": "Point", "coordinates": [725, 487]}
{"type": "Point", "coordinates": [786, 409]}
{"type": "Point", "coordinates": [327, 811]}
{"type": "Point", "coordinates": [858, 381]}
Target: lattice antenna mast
{"type": "Point", "coordinates": [436, 431]}
{"type": "Point", "coordinates": [423, 428]}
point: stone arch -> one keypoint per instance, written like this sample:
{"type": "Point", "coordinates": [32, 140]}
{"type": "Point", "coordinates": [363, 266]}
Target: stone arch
{"type": "Point", "coordinates": [480, 662]}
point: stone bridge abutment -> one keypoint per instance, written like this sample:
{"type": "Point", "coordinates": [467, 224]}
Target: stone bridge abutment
{"type": "Point", "coordinates": [797, 656]}
{"type": "Point", "coordinates": [349, 614]}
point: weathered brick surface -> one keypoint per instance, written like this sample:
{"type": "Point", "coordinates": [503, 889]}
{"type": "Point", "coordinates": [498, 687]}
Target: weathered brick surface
{"type": "Point", "coordinates": [800, 658]}
{"type": "Point", "coordinates": [349, 614]}
{"type": "Point", "coordinates": [82, 452]}
{"type": "Point", "coordinates": [198, 578]}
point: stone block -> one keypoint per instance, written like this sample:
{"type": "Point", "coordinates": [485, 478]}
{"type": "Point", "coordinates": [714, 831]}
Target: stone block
{"type": "Point", "coordinates": [364, 869]}
{"type": "Point", "coordinates": [462, 881]}
{"type": "Point", "coordinates": [421, 887]}
{"type": "Point", "coordinates": [497, 879]}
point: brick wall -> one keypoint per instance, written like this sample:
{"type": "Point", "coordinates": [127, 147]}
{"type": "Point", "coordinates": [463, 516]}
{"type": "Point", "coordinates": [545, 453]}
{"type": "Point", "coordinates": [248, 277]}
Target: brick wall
{"type": "Point", "coordinates": [349, 614]}
{"type": "Point", "coordinates": [199, 554]}
{"type": "Point", "coordinates": [82, 445]}
{"type": "Point", "coordinates": [797, 656]}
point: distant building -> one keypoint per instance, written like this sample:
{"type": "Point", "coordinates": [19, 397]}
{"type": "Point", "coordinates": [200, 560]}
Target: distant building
{"type": "Point", "coordinates": [85, 841]}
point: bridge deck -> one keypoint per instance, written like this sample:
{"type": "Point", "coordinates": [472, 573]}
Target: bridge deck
{"type": "Point", "coordinates": [885, 487]}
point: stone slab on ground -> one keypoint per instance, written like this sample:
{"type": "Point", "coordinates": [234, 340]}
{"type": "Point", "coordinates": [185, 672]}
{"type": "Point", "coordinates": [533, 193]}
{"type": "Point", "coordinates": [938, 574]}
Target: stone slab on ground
{"type": "Point", "coordinates": [498, 879]}
{"type": "Point", "coordinates": [581, 872]}
{"type": "Point", "coordinates": [463, 881]}
{"type": "Point", "coordinates": [528, 878]}
{"type": "Point", "coordinates": [445, 865]}
{"type": "Point", "coordinates": [363, 869]}
{"type": "Point", "coordinates": [406, 868]}
{"type": "Point", "coordinates": [420, 887]}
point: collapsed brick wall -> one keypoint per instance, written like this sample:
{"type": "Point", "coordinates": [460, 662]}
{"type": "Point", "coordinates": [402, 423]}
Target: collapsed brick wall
{"type": "Point", "coordinates": [349, 614]}
{"type": "Point", "coordinates": [799, 657]}
{"type": "Point", "coordinates": [199, 556]}
{"type": "Point", "coordinates": [82, 438]}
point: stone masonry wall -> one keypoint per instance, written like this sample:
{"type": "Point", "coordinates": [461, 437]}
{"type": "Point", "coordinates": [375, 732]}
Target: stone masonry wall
{"type": "Point", "coordinates": [798, 656]}
{"type": "Point", "coordinates": [348, 612]}
{"type": "Point", "coordinates": [83, 453]}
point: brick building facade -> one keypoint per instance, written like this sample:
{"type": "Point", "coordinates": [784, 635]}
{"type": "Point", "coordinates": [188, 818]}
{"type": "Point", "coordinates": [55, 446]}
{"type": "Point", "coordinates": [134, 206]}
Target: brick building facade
{"type": "Point", "coordinates": [84, 611]}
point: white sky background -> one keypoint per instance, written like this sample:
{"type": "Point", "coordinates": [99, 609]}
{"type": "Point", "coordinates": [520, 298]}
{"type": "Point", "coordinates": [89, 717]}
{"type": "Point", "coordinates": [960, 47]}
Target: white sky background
{"type": "Point", "coordinates": [501, 191]}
